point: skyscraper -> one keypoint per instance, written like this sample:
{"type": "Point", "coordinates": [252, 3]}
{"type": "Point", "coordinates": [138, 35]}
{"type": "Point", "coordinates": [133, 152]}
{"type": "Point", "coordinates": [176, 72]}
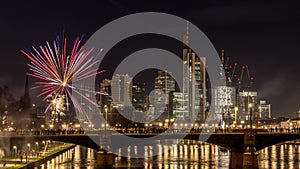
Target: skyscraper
{"type": "Point", "coordinates": [164, 84]}
{"type": "Point", "coordinates": [264, 110]}
{"type": "Point", "coordinates": [121, 90]}
{"type": "Point", "coordinates": [194, 83]}
{"type": "Point", "coordinates": [245, 98]}
{"type": "Point", "coordinates": [105, 93]}
{"type": "Point", "coordinates": [225, 101]}
{"type": "Point", "coordinates": [139, 96]}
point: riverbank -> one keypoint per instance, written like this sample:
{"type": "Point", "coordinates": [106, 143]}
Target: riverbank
{"type": "Point", "coordinates": [15, 163]}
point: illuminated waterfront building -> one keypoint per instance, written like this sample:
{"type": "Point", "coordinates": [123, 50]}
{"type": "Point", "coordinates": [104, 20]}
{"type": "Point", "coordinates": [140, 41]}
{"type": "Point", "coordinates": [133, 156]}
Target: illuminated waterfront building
{"type": "Point", "coordinates": [178, 105]}
{"type": "Point", "coordinates": [225, 101]}
{"type": "Point", "coordinates": [139, 99]}
{"type": "Point", "coordinates": [264, 110]}
{"type": "Point", "coordinates": [105, 93]}
{"type": "Point", "coordinates": [164, 84]}
{"type": "Point", "coordinates": [247, 101]}
{"type": "Point", "coordinates": [121, 90]}
{"type": "Point", "coordinates": [194, 83]}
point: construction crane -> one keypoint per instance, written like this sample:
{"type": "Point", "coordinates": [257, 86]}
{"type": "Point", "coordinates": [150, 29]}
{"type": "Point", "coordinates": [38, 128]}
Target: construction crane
{"type": "Point", "coordinates": [222, 56]}
{"type": "Point", "coordinates": [227, 61]}
{"type": "Point", "coordinates": [233, 71]}
{"type": "Point", "coordinates": [250, 79]}
{"type": "Point", "coordinates": [242, 73]}
{"type": "Point", "coordinates": [234, 77]}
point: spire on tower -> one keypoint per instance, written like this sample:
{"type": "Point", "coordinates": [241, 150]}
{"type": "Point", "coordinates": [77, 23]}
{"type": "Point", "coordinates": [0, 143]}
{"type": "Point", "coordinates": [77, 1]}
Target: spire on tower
{"type": "Point", "coordinates": [25, 102]}
{"type": "Point", "coordinates": [186, 37]}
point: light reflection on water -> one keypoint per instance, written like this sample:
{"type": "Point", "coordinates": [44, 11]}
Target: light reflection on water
{"type": "Point", "coordinates": [187, 155]}
{"type": "Point", "coordinates": [280, 156]}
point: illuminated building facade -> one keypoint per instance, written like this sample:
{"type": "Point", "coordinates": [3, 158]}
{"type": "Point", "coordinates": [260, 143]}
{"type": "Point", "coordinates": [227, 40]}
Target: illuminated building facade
{"type": "Point", "coordinates": [264, 110]}
{"type": "Point", "coordinates": [121, 90]}
{"type": "Point", "coordinates": [164, 84]}
{"type": "Point", "coordinates": [139, 99]}
{"type": "Point", "coordinates": [247, 101]}
{"type": "Point", "coordinates": [225, 101]}
{"type": "Point", "coordinates": [194, 85]}
{"type": "Point", "coordinates": [178, 105]}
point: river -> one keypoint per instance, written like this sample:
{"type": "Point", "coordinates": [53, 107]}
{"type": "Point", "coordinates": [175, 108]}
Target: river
{"type": "Point", "coordinates": [187, 155]}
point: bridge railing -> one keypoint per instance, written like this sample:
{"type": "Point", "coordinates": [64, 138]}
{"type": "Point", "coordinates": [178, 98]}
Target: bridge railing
{"type": "Point", "coordinates": [142, 131]}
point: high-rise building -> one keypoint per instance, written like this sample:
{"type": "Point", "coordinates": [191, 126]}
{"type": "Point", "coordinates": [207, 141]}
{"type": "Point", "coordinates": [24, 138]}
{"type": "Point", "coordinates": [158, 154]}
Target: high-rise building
{"type": "Point", "coordinates": [178, 105]}
{"type": "Point", "coordinates": [264, 110]}
{"type": "Point", "coordinates": [225, 102]}
{"type": "Point", "coordinates": [164, 84]}
{"type": "Point", "coordinates": [194, 83]}
{"type": "Point", "coordinates": [105, 93]}
{"type": "Point", "coordinates": [247, 101]}
{"type": "Point", "coordinates": [139, 100]}
{"type": "Point", "coordinates": [121, 86]}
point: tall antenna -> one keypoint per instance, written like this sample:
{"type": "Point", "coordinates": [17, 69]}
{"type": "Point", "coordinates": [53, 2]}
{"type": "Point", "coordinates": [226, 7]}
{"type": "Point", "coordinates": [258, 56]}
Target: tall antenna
{"type": "Point", "coordinates": [186, 37]}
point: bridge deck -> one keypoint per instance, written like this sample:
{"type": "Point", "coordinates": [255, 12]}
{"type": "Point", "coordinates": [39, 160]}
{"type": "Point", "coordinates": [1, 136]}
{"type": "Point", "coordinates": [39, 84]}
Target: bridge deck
{"type": "Point", "coordinates": [233, 141]}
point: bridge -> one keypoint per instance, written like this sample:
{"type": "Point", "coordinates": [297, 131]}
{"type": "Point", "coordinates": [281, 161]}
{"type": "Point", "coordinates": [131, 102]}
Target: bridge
{"type": "Point", "coordinates": [234, 141]}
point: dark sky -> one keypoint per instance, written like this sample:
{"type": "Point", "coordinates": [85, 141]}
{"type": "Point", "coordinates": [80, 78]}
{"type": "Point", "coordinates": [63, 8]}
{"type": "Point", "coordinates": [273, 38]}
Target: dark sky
{"type": "Point", "coordinates": [264, 35]}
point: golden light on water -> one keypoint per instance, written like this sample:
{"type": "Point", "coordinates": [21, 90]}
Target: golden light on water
{"type": "Point", "coordinates": [185, 155]}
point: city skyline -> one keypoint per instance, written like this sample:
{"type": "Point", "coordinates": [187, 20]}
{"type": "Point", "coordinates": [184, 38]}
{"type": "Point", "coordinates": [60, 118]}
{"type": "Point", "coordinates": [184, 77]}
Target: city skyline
{"type": "Point", "coordinates": [150, 84]}
{"type": "Point", "coordinates": [262, 35]}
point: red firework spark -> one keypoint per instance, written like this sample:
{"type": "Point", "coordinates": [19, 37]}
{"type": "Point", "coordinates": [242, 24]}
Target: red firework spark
{"type": "Point", "coordinates": [57, 70]}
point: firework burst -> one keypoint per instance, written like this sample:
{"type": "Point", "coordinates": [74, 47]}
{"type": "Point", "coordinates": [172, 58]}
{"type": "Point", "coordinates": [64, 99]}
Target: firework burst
{"type": "Point", "coordinates": [57, 70]}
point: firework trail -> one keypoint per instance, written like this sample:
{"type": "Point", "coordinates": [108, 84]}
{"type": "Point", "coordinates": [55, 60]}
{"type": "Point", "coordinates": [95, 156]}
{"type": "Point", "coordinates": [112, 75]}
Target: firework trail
{"type": "Point", "coordinates": [56, 69]}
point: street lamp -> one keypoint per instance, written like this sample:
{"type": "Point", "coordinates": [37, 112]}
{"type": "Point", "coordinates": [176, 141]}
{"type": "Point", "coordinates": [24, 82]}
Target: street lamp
{"type": "Point", "coordinates": [105, 109]}
{"type": "Point", "coordinates": [242, 122]}
{"type": "Point", "coordinates": [28, 145]}
{"type": "Point", "coordinates": [235, 113]}
{"type": "Point", "coordinates": [250, 108]}
{"type": "Point", "coordinates": [15, 150]}
{"type": "Point", "coordinates": [105, 136]}
{"type": "Point", "coordinates": [37, 146]}
{"type": "Point", "coordinates": [167, 123]}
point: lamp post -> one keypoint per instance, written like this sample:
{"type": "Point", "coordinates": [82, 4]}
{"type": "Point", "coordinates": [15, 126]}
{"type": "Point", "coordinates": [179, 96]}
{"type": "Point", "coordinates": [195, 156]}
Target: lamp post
{"type": "Point", "coordinates": [235, 114]}
{"type": "Point", "coordinates": [37, 148]}
{"type": "Point", "coordinates": [167, 123]}
{"type": "Point", "coordinates": [15, 150]}
{"type": "Point", "coordinates": [28, 145]}
{"type": "Point", "coordinates": [106, 122]}
{"type": "Point", "coordinates": [250, 108]}
{"type": "Point", "coordinates": [105, 109]}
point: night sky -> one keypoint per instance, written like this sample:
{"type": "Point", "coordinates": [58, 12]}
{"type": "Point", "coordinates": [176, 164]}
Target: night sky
{"type": "Point", "coordinates": [263, 35]}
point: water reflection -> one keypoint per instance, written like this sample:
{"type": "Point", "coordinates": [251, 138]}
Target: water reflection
{"type": "Point", "coordinates": [280, 156]}
{"type": "Point", "coordinates": [187, 155]}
